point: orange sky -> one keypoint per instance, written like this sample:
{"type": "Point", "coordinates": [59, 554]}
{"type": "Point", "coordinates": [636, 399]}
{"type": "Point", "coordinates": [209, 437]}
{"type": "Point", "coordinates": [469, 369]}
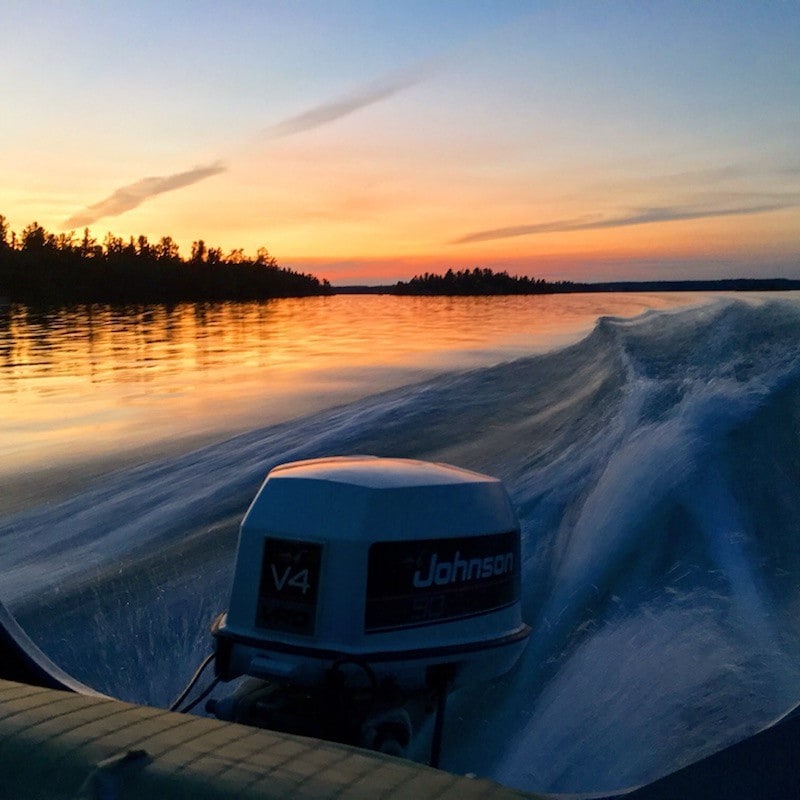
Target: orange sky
{"type": "Point", "coordinates": [565, 142]}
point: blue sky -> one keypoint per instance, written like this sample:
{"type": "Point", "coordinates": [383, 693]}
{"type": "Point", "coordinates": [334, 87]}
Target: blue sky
{"type": "Point", "coordinates": [614, 139]}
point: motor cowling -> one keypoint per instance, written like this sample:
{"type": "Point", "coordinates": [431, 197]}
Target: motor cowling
{"type": "Point", "coordinates": [393, 576]}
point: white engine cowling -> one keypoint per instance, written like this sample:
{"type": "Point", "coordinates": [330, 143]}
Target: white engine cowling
{"type": "Point", "coordinates": [397, 564]}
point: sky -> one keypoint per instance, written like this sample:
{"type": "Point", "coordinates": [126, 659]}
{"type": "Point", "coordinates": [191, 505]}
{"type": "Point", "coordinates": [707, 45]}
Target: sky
{"type": "Point", "coordinates": [368, 142]}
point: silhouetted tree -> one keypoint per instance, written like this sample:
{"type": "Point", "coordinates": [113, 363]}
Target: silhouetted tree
{"type": "Point", "coordinates": [34, 237]}
{"type": "Point", "coordinates": [89, 247]}
{"type": "Point", "coordinates": [199, 251]}
{"type": "Point", "coordinates": [5, 246]}
{"type": "Point", "coordinates": [167, 249]}
{"type": "Point", "coordinates": [264, 258]}
{"type": "Point", "coordinates": [41, 266]}
{"type": "Point", "coordinates": [143, 248]}
{"type": "Point", "coordinates": [479, 281]}
{"type": "Point", "coordinates": [112, 245]}
{"type": "Point", "coordinates": [236, 256]}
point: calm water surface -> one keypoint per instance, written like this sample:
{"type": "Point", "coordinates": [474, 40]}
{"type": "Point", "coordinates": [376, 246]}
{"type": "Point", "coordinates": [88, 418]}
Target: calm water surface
{"type": "Point", "coordinates": [94, 381]}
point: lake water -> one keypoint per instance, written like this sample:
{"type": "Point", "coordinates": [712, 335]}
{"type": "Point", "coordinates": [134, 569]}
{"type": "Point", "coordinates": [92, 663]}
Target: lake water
{"type": "Point", "coordinates": [651, 459]}
{"type": "Point", "coordinates": [87, 382]}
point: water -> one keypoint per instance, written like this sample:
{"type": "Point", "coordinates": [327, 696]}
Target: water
{"type": "Point", "coordinates": [653, 463]}
{"type": "Point", "coordinates": [89, 381]}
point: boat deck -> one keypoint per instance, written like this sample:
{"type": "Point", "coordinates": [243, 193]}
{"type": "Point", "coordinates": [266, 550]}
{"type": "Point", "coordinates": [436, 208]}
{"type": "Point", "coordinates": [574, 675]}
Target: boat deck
{"type": "Point", "coordinates": [57, 744]}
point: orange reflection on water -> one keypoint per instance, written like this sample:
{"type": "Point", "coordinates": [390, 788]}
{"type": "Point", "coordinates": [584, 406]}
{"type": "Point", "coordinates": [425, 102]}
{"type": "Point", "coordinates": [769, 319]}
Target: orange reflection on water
{"type": "Point", "coordinates": [93, 381]}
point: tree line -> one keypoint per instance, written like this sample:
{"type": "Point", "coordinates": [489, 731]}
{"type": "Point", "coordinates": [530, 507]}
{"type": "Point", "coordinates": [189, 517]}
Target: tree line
{"type": "Point", "coordinates": [481, 282]}
{"type": "Point", "coordinates": [486, 282]}
{"type": "Point", "coordinates": [39, 266]}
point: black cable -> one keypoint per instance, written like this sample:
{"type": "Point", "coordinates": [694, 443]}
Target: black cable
{"type": "Point", "coordinates": [439, 678]}
{"type": "Point", "coordinates": [438, 725]}
{"type": "Point", "coordinates": [202, 696]}
{"type": "Point", "coordinates": [189, 686]}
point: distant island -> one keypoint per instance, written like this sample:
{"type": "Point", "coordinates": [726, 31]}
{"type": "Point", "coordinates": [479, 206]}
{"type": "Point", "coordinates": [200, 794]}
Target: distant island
{"type": "Point", "coordinates": [479, 282]}
{"type": "Point", "coordinates": [42, 267]}
{"type": "Point", "coordinates": [482, 282]}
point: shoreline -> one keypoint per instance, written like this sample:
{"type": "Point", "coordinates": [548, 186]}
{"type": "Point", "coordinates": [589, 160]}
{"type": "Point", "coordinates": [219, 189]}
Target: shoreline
{"type": "Point", "coordinates": [570, 287]}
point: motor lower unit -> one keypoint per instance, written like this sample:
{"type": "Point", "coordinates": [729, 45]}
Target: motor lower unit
{"type": "Point", "coordinates": [365, 589]}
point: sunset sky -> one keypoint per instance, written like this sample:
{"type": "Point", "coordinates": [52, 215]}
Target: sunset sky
{"type": "Point", "coordinates": [366, 142]}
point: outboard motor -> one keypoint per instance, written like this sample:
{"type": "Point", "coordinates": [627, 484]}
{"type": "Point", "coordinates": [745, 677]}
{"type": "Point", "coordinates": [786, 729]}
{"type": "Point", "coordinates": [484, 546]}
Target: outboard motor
{"type": "Point", "coordinates": [365, 590]}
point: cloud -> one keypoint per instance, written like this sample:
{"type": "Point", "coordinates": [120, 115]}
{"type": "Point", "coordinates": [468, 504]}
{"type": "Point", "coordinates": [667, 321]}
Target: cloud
{"type": "Point", "coordinates": [640, 217]}
{"type": "Point", "coordinates": [336, 109]}
{"type": "Point", "coordinates": [134, 194]}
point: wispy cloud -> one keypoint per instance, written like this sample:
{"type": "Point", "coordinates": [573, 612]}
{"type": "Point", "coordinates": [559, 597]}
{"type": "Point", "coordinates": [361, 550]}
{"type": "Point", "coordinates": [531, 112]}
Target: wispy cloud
{"type": "Point", "coordinates": [641, 217]}
{"type": "Point", "coordinates": [134, 194]}
{"type": "Point", "coordinates": [348, 104]}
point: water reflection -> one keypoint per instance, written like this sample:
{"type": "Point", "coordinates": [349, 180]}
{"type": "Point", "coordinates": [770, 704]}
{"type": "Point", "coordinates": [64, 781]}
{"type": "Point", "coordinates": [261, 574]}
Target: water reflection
{"type": "Point", "coordinates": [93, 380]}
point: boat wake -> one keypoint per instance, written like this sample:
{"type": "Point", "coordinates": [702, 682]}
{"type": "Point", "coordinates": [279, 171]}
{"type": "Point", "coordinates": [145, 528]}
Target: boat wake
{"type": "Point", "coordinates": [654, 466]}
